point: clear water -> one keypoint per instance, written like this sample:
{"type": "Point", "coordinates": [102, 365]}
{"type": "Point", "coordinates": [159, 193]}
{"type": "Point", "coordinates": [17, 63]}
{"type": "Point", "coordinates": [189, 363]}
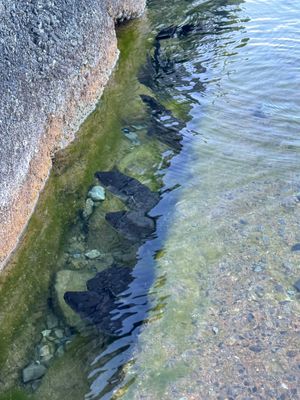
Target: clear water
{"type": "Point", "coordinates": [227, 219]}
{"type": "Point", "coordinates": [245, 151]}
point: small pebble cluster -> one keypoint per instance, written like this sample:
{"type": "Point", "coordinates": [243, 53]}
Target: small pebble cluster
{"type": "Point", "coordinates": [54, 339]}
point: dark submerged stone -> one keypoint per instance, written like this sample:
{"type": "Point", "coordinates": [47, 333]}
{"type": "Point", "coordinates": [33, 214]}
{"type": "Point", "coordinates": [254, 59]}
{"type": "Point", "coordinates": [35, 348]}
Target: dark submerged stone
{"type": "Point", "coordinates": [134, 225]}
{"type": "Point", "coordinates": [116, 279]}
{"type": "Point", "coordinates": [296, 247]}
{"type": "Point", "coordinates": [96, 304]}
{"type": "Point", "coordinates": [297, 285]}
{"type": "Point", "coordinates": [134, 194]}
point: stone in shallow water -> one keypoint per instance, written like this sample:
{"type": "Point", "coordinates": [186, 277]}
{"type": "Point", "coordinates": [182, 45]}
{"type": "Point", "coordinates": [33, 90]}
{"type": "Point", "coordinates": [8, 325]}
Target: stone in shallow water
{"type": "Point", "coordinates": [46, 351]}
{"type": "Point", "coordinates": [92, 254]}
{"type": "Point", "coordinates": [142, 164]}
{"type": "Point", "coordinates": [59, 333]}
{"type": "Point", "coordinates": [133, 137]}
{"type": "Point", "coordinates": [88, 209]}
{"type": "Point", "coordinates": [297, 285]}
{"type": "Point", "coordinates": [46, 333]}
{"type": "Point", "coordinates": [33, 372]}
{"type": "Point", "coordinates": [134, 194]}
{"type": "Point", "coordinates": [95, 304]}
{"type": "Point", "coordinates": [133, 225]}
{"type": "Point", "coordinates": [296, 247]}
{"type": "Point", "coordinates": [97, 193]}
{"type": "Point", "coordinates": [52, 321]}
{"type": "Point", "coordinates": [67, 280]}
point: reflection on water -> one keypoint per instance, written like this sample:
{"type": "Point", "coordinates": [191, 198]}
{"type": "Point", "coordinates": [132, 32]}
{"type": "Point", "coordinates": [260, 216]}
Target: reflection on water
{"type": "Point", "coordinates": [226, 232]}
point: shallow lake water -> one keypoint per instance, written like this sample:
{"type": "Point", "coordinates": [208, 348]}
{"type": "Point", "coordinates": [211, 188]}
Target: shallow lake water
{"type": "Point", "coordinates": [210, 311]}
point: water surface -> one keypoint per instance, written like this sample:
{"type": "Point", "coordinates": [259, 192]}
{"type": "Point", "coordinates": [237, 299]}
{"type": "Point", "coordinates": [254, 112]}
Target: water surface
{"type": "Point", "coordinates": [212, 312]}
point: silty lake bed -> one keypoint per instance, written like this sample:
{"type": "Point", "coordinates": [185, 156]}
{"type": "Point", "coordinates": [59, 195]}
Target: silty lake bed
{"type": "Point", "coordinates": [201, 296]}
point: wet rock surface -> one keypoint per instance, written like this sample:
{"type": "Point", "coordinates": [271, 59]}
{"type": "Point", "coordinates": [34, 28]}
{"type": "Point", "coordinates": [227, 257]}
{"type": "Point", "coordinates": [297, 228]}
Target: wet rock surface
{"type": "Point", "coordinates": [96, 304]}
{"type": "Point", "coordinates": [134, 194]}
{"type": "Point", "coordinates": [133, 225]}
{"type": "Point", "coordinates": [33, 372]}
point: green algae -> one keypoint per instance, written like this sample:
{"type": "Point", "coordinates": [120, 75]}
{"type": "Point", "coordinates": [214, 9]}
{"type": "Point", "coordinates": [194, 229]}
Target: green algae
{"type": "Point", "coordinates": [15, 395]}
{"type": "Point", "coordinates": [24, 285]}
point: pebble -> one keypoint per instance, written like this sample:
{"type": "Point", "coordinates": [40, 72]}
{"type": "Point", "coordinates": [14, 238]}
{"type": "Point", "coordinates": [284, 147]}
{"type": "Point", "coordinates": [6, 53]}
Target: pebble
{"type": "Point", "coordinates": [132, 137]}
{"type": "Point", "coordinates": [60, 351]}
{"type": "Point", "coordinates": [296, 247]}
{"type": "Point", "coordinates": [59, 333]}
{"type": "Point", "coordinates": [250, 317]}
{"type": "Point", "coordinates": [89, 208]}
{"type": "Point", "coordinates": [45, 351]}
{"type": "Point", "coordinates": [297, 285]}
{"type": "Point", "coordinates": [46, 332]}
{"type": "Point", "coordinates": [255, 349]}
{"type": "Point", "coordinates": [33, 372]}
{"type": "Point", "coordinates": [92, 254]}
{"type": "Point", "coordinates": [97, 193]}
{"type": "Point", "coordinates": [77, 256]}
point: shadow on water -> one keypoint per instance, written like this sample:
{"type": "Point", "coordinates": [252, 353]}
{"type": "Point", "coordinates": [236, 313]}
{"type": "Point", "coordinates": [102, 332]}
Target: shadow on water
{"type": "Point", "coordinates": [174, 71]}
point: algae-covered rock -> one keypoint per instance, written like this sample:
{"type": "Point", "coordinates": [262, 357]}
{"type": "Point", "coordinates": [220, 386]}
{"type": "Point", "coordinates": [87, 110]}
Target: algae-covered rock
{"type": "Point", "coordinates": [141, 163]}
{"type": "Point", "coordinates": [67, 280]}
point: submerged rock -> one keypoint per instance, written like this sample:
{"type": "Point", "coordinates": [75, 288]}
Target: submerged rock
{"type": "Point", "coordinates": [142, 163]}
{"type": "Point", "coordinates": [133, 225]}
{"type": "Point", "coordinates": [134, 194]}
{"type": "Point", "coordinates": [92, 254]}
{"type": "Point", "coordinates": [296, 247]}
{"type": "Point", "coordinates": [67, 280]}
{"type": "Point", "coordinates": [96, 304]}
{"type": "Point", "coordinates": [33, 372]}
{"type": "Point", "coordinates": [297, 285]}
{"type": "Point", "coordinates": [97, 193]}
{"type": "Point", "coordinates": [52, 322]}
{"type": "Point", "coordinates": [88, 209]}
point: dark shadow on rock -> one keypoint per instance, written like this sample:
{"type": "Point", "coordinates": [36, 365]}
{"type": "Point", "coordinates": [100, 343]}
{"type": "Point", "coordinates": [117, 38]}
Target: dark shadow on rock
{"type": "Point", "coordinates": [134, 194]}
{"type": "Point", "coordinates": [133, 225]}
{"type": "Point", "coordinates": [96, 304]}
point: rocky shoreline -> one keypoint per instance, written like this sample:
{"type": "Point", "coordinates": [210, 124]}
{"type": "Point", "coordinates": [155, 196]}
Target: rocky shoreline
{"type": "Point", "coordinates": [56, 60]}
